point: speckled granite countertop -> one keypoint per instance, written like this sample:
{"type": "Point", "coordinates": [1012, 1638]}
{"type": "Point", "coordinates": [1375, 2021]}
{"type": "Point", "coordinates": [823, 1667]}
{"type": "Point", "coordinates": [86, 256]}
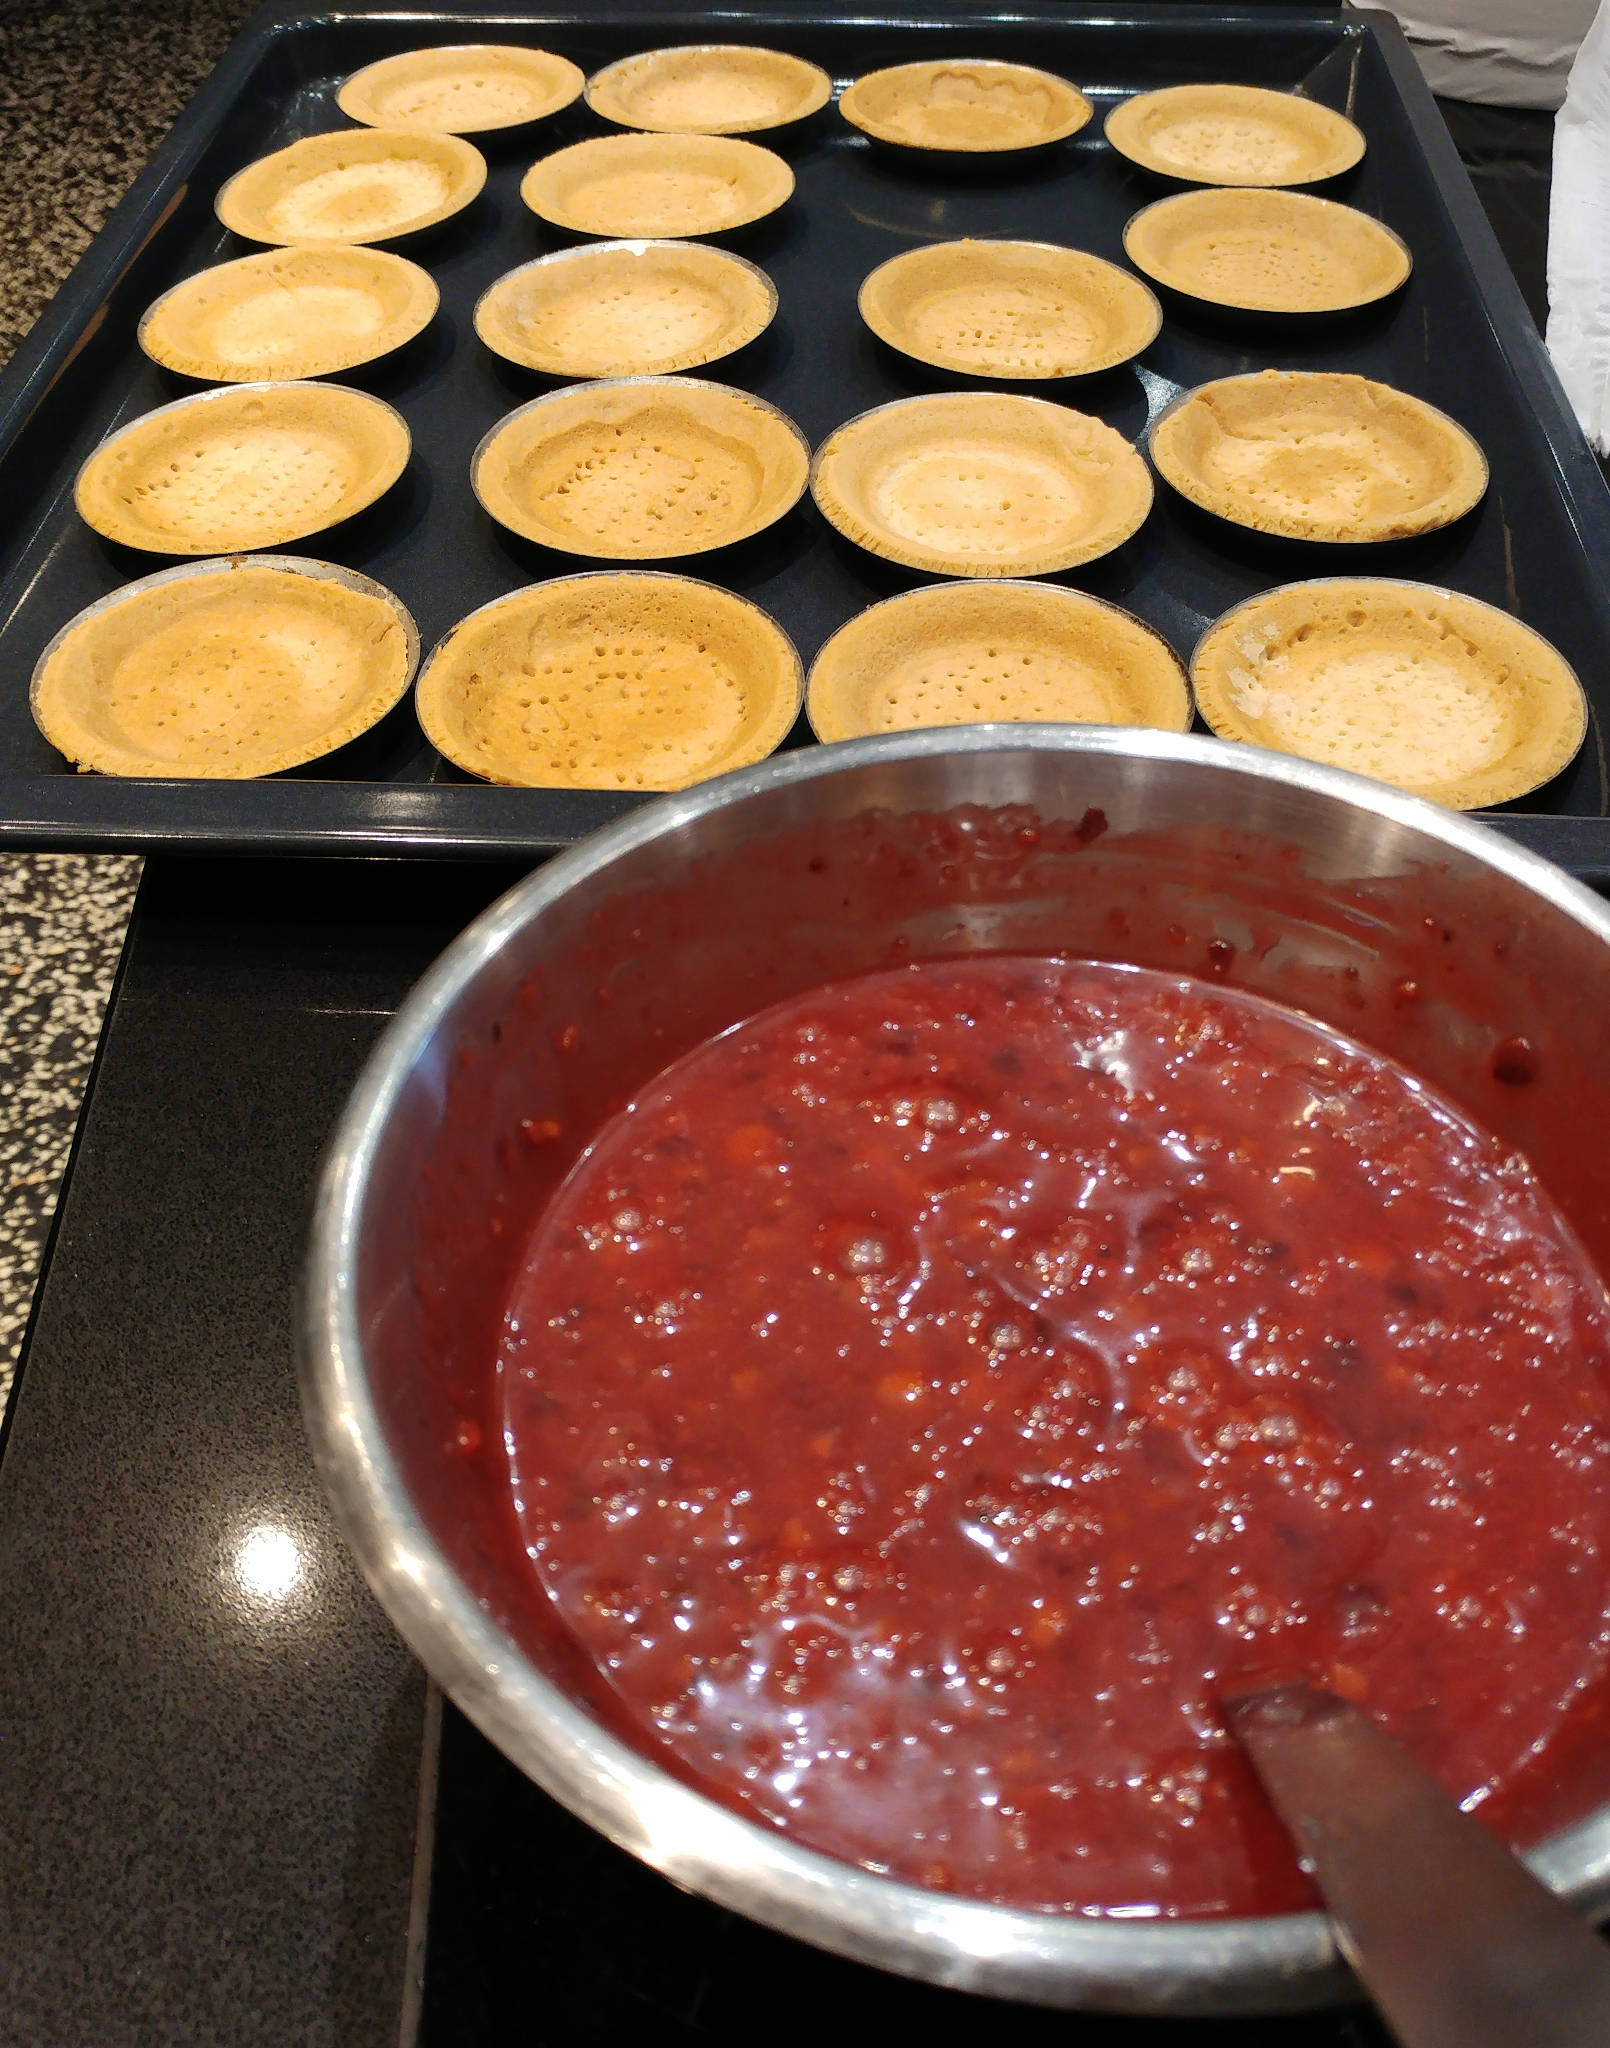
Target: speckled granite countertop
{"type": "Point", "coordinates": [87, 90]}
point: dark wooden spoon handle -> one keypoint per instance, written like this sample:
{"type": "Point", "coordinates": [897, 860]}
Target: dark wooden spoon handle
{"type": "Point", "coordinates": [1453, 1937]}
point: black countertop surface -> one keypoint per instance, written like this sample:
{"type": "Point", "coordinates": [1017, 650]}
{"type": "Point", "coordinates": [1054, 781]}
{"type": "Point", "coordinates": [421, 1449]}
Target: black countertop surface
{"type": "Point", "coordinates": [210, 1737]}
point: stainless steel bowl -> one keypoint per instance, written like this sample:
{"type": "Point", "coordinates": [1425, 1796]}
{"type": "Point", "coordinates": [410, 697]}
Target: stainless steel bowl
{"type": "Point", "coordinates": [1311, 886]}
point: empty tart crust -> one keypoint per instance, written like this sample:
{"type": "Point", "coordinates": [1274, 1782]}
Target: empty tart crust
{"type": "Point", "coordinates": [626, 309]}
{"type": "Point", "coordinates": [461, 88]}
{"type": "Point", "coordinates": [1010, 309]}
{"type": "Point", "coordinates": [961, 653]}
{"type": "Point", "coordinates": [1267, 252]}
{"type": "Point", "coordinates": [978, 106]}
{"type": "Point", "coordinates": [981, 484]}
{"type": "Point", "coordinates": [611, 681]}
{"type": "Point", "coordinates": [224, 669]}
{"type": "Point", "coordinates": [1234, 135]}
{"type": "Point", "coordinates": [1438, 693]}
{"type": "Point", "coordinates": [357, 185]}
{"type": "Point", "coordinates": [246, 466]}
{"type": "Point", "coordinates": [708, 89]}
{"type": "Point", "coordinates": [657, 185]}
{"type": "Point", "coordinates": [641, 468]}
{"type": "Point", "coordinates": [1318, 455]}
{"type": "Point", "coordinates": [294, 312]}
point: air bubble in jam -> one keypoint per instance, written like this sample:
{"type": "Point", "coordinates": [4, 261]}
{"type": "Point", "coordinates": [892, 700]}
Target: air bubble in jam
{"type": "Point", "coordinates": [1111, 1336]}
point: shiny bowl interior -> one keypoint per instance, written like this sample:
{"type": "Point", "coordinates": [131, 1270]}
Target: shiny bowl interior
{"type": "Point", "coordinates": [704, 907]}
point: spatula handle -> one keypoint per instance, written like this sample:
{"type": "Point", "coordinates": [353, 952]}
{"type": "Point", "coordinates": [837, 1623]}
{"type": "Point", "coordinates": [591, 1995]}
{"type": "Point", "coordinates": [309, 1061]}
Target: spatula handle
{"type": "Point", "coordinates": [1449, 1932]}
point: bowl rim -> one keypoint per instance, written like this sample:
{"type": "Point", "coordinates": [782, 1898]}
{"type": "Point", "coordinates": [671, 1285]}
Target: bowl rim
{"type": "Point", "coordinates": [1286, 1962]}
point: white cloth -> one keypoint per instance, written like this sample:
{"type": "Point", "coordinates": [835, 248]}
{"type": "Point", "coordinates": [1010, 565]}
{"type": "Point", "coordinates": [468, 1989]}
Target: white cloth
{"type": "Point", "coordinates": [1505, 53]}
{"type": "Point", "coordinates": [1579, 236]}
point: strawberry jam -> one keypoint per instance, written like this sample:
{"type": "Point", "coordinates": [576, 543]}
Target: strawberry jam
{"type": "Point", "coordinates": [926, 1396]}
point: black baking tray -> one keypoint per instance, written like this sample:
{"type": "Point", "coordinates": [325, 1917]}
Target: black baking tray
{"type": "Point", "coordinates": [1458, 335]}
